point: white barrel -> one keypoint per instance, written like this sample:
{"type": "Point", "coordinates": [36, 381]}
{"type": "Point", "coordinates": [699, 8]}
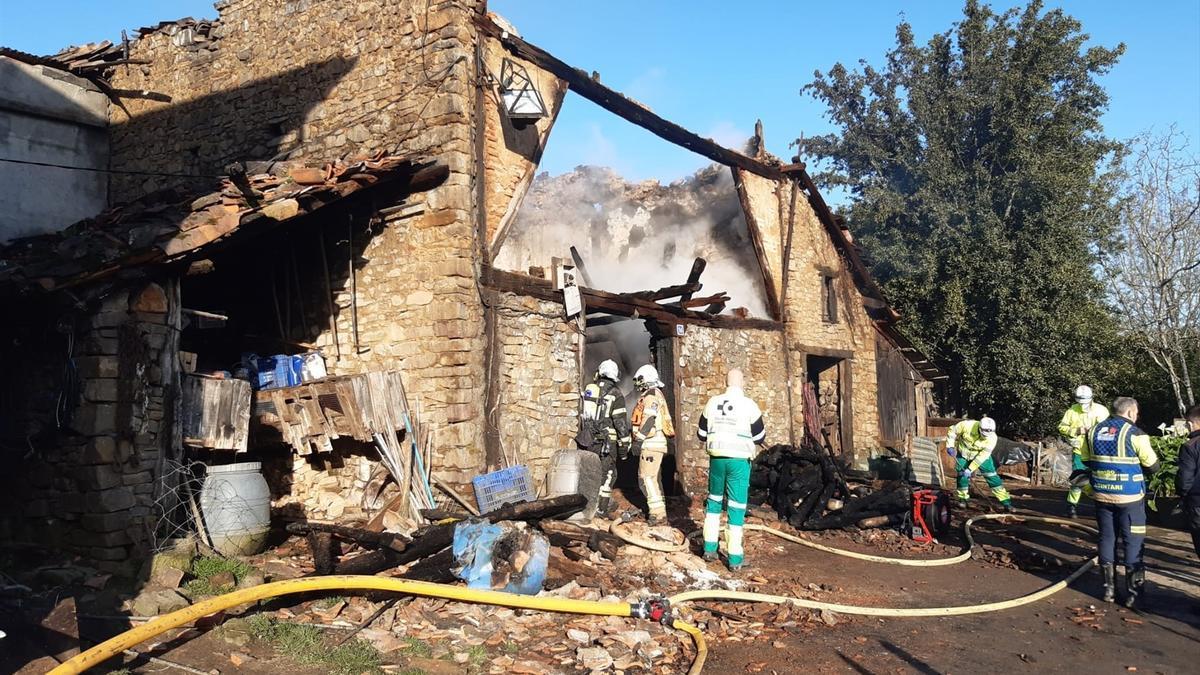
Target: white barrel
{"type": "Point", "coordinates": [235, 503]}
{"type": "Point", "coordinates": [562, 478]}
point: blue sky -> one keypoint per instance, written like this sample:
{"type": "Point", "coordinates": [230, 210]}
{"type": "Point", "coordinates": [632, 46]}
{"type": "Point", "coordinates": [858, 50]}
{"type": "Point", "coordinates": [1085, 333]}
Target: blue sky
{"type": "Point", "coordinates": [715, 67]}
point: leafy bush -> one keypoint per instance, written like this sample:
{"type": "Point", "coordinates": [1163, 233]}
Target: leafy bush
{"type": "Point", "coordinates": [1162, 483]}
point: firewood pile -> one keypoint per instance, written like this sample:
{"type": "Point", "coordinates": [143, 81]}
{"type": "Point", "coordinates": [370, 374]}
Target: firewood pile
{"type": "Point", "coordinates": [808, 490]}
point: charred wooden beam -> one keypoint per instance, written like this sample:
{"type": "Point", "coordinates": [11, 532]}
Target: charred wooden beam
{"type": "Point", "coordinates": [583, 84]}
{"type": "Point", "coordinates": [717, 298]}
{"type": "Point", "coordinates": [698, 266]}
{"type": "Point", "coordinates": [715, 308]}
{"type": "Point", "coordinates": [666, 292]}
{"type": "Point", "coordinates": [616, 303]}
{"type": "Point", "coordinates": [583, 273]}
{"type": "Point", "coordinates": [360, 536]}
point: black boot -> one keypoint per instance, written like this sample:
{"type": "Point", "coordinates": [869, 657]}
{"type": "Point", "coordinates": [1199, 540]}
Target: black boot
{"type": "Point", "coordinates": [1072, 512]}
{"type": "Point", "coordinates": [603, 504]}
{"type": "Point", "coordinates": [1110, 581]}
{"type": "Point", "coordinates": [1135, 579]}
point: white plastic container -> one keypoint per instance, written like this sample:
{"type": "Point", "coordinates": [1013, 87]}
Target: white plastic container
{"type": "Point", "coordinates": [235, 503]}
{"type": "Point", "coordinates": [562, 478]}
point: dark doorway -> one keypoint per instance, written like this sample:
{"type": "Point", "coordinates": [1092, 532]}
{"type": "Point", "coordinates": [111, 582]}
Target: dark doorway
{"type": "Point", "coordinates": [829, 378]}
{"type": "Point", "coordinates": [629, 343]}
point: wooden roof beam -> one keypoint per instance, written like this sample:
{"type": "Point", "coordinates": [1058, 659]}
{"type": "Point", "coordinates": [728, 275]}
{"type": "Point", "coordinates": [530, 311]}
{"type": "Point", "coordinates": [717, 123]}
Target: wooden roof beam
{"type": "Point", "coordinates": [618, 104]}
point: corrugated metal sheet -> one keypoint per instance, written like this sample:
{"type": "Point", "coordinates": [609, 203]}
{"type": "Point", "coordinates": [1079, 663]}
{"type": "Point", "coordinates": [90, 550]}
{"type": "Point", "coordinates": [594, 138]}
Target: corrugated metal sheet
{"type": "Point", "coordinates": [925, 466]}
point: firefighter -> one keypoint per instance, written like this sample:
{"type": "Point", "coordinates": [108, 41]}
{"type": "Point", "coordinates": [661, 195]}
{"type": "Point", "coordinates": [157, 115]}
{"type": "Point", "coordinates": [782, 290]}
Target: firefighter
{"type": "Point", "coordinates": [730, 427]}
{"type": "Point", "coordinates": [1115, 455]}
{"type": "Point", "coordinates": [604, 427]}
{"type": "Point", "coordinates": [652, 427]}
{"type": "Point", "coordinates": [973, 442]}
{"type": "Point", "coordinates": [1075, 425]}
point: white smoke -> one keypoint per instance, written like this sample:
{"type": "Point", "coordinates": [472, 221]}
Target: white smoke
{"type": "Point", "coordinates": [643, 236]}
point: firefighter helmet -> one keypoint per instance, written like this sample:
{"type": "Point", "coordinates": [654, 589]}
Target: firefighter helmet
{"type": "Point", "coordinates": [646, 378]}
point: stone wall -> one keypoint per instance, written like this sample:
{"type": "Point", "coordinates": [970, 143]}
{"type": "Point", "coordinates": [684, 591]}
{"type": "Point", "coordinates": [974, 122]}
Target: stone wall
{"type": "Point", "coordinates": [320, 81]}
{"type": "Point", "coordinates": [813, 254]}
{"type": "Point", "coordinates": [93, 494]}
{"type": "Point", "coordinates": [539, 381]}
{"type": "Point", "coordinates": [702, 357]}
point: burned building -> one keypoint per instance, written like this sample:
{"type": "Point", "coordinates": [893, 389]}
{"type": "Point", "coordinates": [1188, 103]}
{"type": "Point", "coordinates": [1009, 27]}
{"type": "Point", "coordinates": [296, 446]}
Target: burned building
{"type": "Point", "coordinates": [358, 180]}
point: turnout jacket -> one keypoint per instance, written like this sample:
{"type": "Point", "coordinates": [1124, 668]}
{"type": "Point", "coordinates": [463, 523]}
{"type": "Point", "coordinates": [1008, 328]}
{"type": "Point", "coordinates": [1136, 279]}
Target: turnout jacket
{"type": "Point", "coordinates": [604, 411]}
{"type": "Point", "coordinates": [731, 425]}
{"type": "Point", "coordinates": [1115, 452]}
{"type": "Point", "coordinates": [1075, 418]}
{"type": "Point", "coordinates": [652, 424]}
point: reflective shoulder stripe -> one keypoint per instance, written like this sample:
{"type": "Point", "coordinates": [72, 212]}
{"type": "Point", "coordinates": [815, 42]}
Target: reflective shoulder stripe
{"type": "Point", "coordinates": [1123, 442]}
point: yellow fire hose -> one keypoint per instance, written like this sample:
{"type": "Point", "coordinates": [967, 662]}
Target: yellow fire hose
{"type": "Point", "coordinates": [689, 596]}
{"type": "Point", "coordinates": [117, 645]}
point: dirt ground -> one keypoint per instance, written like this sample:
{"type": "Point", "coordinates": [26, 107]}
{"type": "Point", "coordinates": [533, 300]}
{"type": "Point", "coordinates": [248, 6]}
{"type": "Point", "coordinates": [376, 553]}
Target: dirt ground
{"type": "Point", "coordinates": [1069, 630]}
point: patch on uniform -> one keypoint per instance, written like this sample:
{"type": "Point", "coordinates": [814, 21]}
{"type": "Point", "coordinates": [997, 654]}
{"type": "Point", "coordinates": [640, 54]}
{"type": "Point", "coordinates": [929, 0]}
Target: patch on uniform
{"type": "Point", "coordinates": [1106, 434]}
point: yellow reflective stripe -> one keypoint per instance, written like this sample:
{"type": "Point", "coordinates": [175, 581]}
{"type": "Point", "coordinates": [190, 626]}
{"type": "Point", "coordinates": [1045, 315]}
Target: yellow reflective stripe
{"type": "Point", "coordinates": [1121, 442]}
{"type": "Point", "coordinates": [1137, 529]}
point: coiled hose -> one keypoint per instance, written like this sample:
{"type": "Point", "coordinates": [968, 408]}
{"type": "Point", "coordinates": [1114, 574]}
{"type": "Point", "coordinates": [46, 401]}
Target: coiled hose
{"type": "Point", "coordinates": [117, 645]}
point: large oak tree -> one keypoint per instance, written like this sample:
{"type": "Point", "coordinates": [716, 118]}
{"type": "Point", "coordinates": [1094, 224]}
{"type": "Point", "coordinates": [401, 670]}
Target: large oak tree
{"type": "Point", "coordinates": [980, 186]}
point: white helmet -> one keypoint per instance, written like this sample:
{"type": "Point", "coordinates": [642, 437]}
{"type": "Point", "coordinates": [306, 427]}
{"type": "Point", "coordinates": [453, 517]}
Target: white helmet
{"type": "Point", "coordinates": [987, 426]}
{"type": "Point", "coordinates": [608, 370]}
{"type": "Point", "coordinates": [646, 377]}
{"type": "Point", "coordinates": [1083, 394]}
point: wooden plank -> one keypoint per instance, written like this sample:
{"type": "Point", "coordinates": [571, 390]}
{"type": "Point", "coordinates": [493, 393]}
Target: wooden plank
{"type": "Point", "coordinates": [719, 298]}
{"type": "Point", "coordinates": [582, 83]}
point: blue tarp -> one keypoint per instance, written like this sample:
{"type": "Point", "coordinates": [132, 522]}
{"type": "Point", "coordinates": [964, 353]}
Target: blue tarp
{"type": "Point", "coordinates": [475, 546]}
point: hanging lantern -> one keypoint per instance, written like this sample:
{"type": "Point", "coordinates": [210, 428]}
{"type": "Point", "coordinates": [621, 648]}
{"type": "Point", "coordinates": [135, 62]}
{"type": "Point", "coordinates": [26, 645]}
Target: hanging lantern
{"type": "Point", "coordinates": [521, 99]}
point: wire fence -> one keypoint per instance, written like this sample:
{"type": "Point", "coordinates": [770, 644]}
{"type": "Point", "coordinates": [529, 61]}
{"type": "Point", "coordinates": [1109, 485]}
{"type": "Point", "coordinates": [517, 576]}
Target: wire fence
{"type": "Point", "coordinates": [176, 510]}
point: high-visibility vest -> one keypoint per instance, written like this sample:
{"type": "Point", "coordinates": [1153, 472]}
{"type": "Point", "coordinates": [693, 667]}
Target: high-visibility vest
{"type": "Point", "coordinates": [731, 425]}
{"type": "Point", "coordinates": [1077, 417]}
{"type": "Point", "coordinates": [968, 439]}
{"type": "Point", "coordinates": [653, 404]}
{"type": "Point", "coordinates": [1114, 453]}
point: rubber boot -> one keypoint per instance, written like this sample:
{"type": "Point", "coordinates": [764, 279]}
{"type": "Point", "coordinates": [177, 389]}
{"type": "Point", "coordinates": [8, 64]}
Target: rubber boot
{"type": "Point", "coordinates": [1134, 580]}
{"type": "Point", "coordinates": [1072, 512]}
{"type": "Point", "coordinates": [653, 520]}
{"type": "Point", "coordinates": [1008, 507]}
{"type": "Point", "coordinates": [603, 505]}
{"type": "Point", "coordinates": [1110, 581]}
{"type": "Point", "coordinates": [710, 555]}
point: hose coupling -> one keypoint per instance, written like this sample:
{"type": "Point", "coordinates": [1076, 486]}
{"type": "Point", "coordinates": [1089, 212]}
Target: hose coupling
{"type": "Point", "coordinates": [654, 608]}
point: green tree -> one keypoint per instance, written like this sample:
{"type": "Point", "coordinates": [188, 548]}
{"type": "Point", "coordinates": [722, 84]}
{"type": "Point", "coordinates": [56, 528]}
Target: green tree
{"type": "Point", "coordinates": [980, 183]}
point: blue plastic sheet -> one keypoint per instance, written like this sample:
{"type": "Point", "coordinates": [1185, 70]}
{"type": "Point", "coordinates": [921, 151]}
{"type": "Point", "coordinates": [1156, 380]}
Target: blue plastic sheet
{"type": "Point", "coordinates": [500, 557]}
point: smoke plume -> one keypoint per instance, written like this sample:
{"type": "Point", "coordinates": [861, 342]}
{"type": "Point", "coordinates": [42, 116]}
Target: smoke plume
{"type": "Point", "coordinates": [639, 236]}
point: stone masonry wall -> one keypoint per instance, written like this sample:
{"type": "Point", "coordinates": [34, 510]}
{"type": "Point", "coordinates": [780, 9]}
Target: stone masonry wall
{"type": "Point", "coordinates": [703, 356]}
{"type": "Point", "coordinates": [93, 494]}
{"type": "Point", "coordinates": [812, 254]}
{"type": "Point", "coordinates": [325, 80]}
{"type": "Point", "coordinates": [539, 381]}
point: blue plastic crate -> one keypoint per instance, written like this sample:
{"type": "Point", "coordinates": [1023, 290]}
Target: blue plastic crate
{"type": "Point", "coordinates": [506, 486]}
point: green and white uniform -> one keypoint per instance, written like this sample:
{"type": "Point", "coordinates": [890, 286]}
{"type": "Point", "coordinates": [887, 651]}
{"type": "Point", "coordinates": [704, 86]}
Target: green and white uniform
{"type": "Point", "coordinates": [1079, 418]}
{"type": "Point", "coordinates": [730, 426]}
{"type": "Point", "coordinates": [974, 449]}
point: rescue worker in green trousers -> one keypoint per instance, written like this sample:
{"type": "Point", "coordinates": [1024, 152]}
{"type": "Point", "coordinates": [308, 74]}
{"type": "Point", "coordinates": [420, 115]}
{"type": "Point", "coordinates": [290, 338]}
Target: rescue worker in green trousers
{"type": "Point", "coordinates": [730, 427]}
{"type": "Point", "coordinates": [652, 427]}
{"type": "Point", "coordinates": [973, 442]}
{"type": "Point", "coordinates": [1075, 425]}
{"type": "Point", "coordinates": [604, 428]}
{"type": "Point", "coordinates": [1116, 454]}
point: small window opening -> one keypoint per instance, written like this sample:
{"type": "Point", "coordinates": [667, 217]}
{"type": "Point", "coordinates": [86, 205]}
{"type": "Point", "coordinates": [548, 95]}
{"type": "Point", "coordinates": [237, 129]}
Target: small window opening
{"type": "Point", "coordinates": [828, 299]}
